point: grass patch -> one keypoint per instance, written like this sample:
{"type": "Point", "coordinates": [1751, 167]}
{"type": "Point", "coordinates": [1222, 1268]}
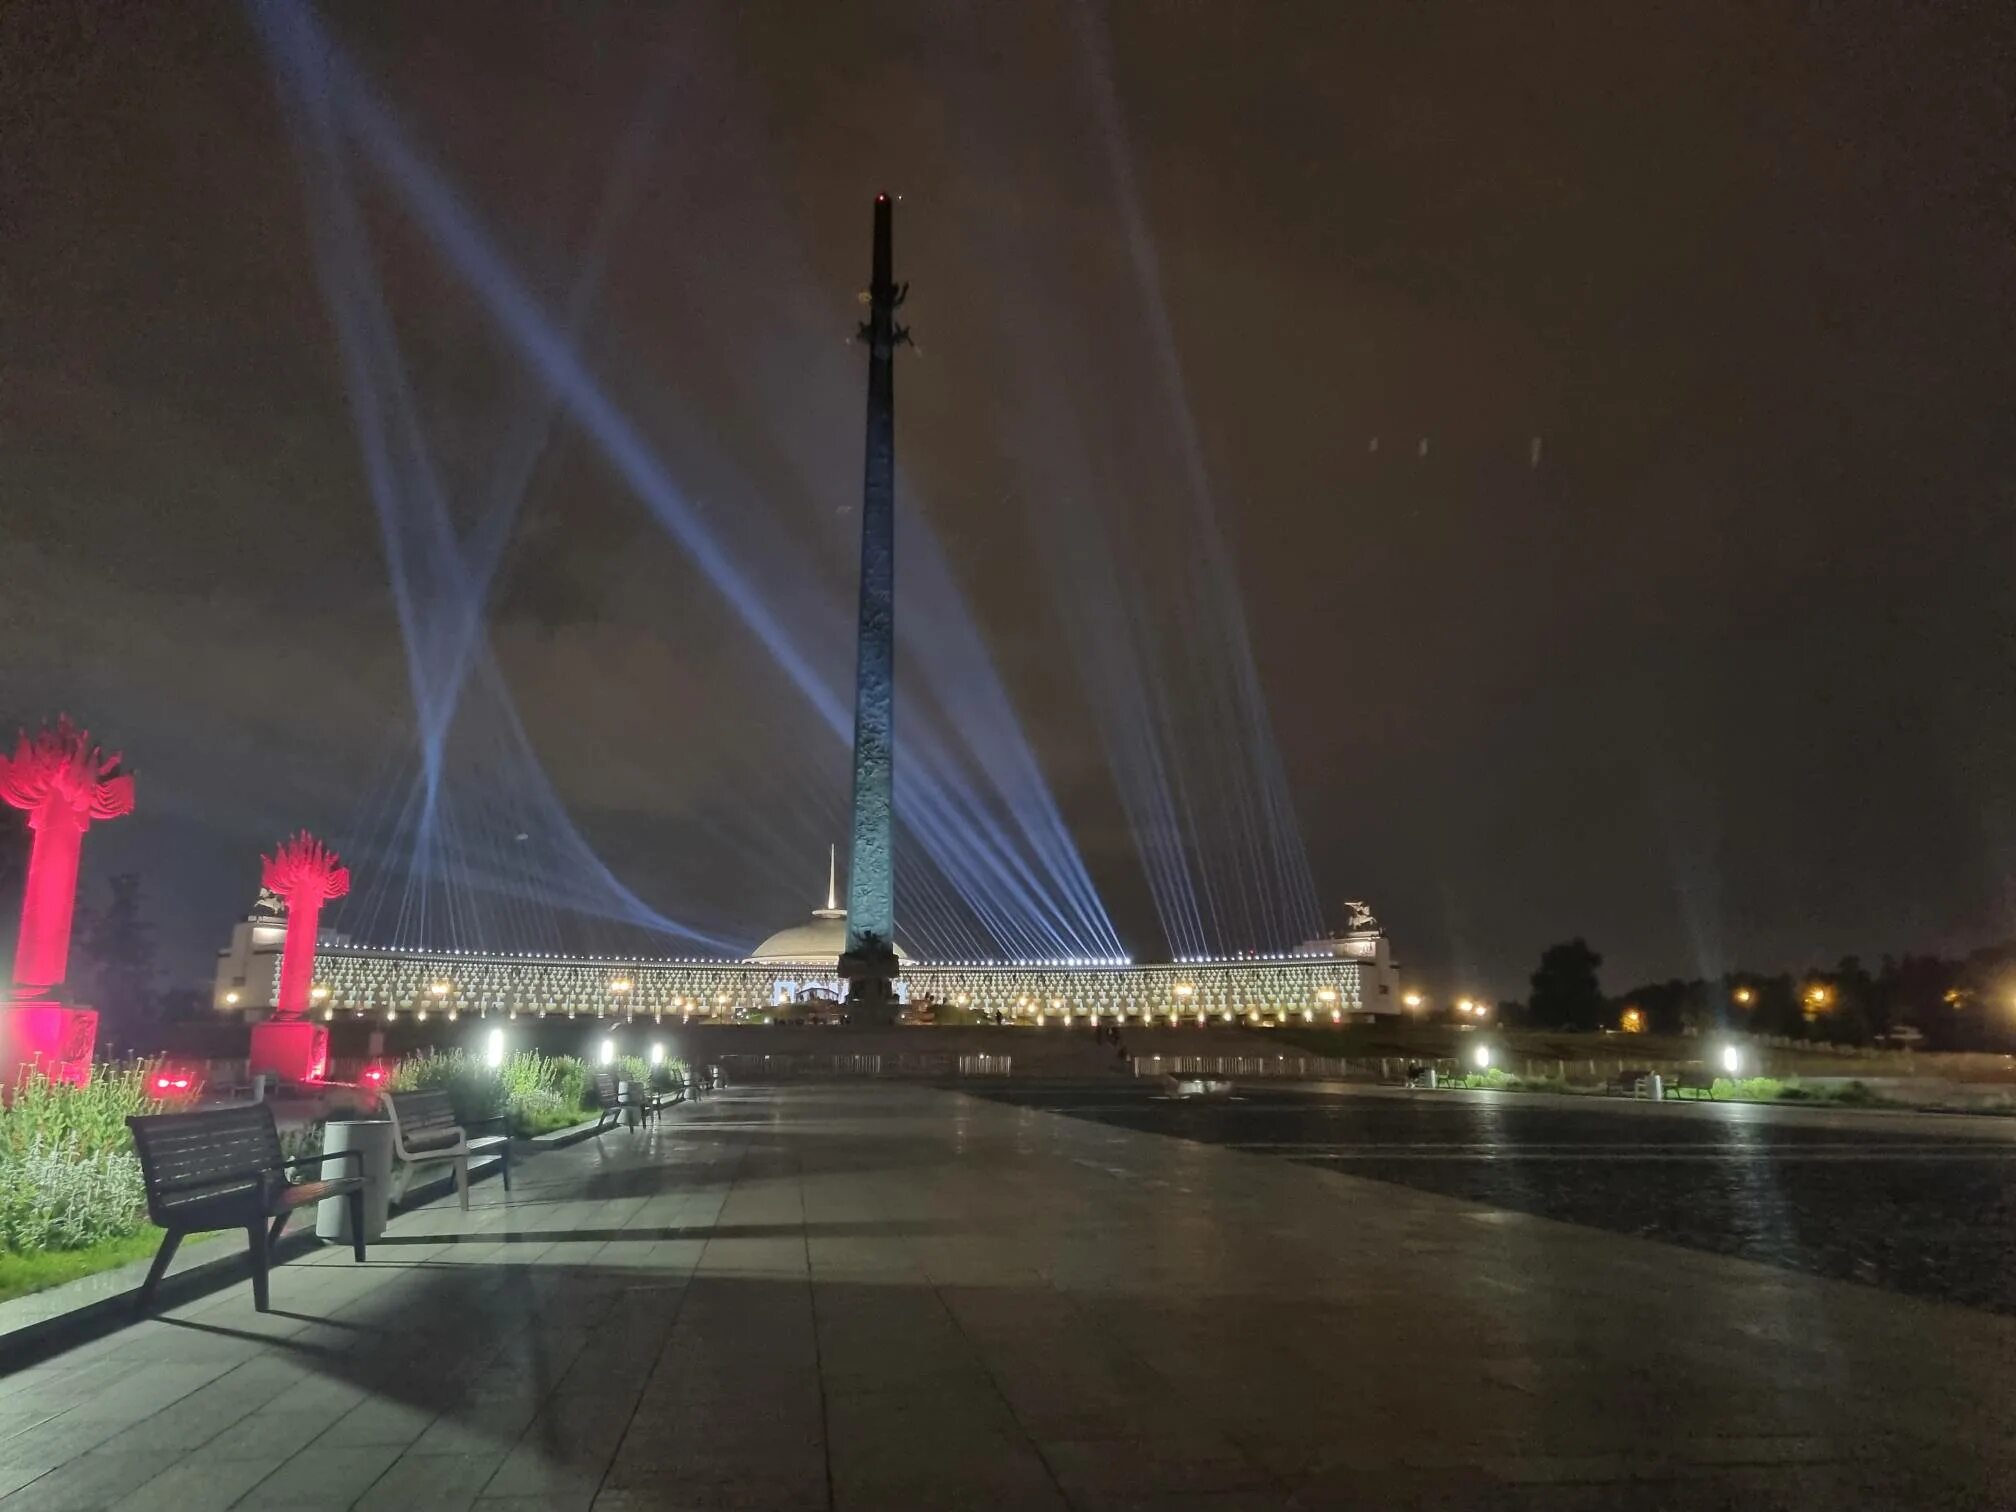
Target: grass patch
{"type": "Point", "coordinates": [546, 1120]}
{"type": "Point", "coordinates": [23, 1274]}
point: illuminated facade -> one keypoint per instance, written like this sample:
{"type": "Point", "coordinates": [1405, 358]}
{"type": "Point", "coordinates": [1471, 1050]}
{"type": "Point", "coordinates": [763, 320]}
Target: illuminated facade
{"type": "Point", "coordinates": [1307, 987]}
{"type": "Point", "coordinates": [796, 970]}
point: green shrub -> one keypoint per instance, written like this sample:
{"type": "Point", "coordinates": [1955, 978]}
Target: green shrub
{"type": "Point", "coordinates": [1491, 1079]}
{"type": "Point", "coordinates": [91, 1118]}
{"type": "Point", "coordinates": [535, 1092]}
{"type": "Point", "coordinates": [1749, 1089]}
{"type": "Point", "coordinates": [565, 1079]}
{"type": "Point", "coordinates": [55, 1197]}
{"type": "Point", "coordinates": [68, 1174]}
{"type": "Point", "coordinates": [476, 1091]}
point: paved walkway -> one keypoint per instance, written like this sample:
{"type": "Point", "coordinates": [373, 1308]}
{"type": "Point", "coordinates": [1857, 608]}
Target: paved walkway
{"type": "Point", "coordinates": [884, 1297]}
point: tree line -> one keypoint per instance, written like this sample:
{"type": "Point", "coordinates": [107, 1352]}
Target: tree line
{"type": "Point", "coordinates": [1928, 1001]}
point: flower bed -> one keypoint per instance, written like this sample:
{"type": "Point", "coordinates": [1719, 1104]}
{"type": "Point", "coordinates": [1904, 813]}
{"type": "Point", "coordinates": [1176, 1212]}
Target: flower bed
{"type": "Point", "coordinates": [71, 1198]}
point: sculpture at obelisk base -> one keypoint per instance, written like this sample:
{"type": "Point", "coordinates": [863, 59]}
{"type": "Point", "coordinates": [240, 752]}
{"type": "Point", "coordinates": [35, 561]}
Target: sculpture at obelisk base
{"type": "Point", "coordinates": [64, 784]}
{"type": "Point", "coordinates": [305, 874]}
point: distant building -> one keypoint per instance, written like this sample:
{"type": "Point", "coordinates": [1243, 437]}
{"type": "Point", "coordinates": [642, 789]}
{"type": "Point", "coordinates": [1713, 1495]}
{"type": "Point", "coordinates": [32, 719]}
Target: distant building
{"type": "Point", "coordinates": [248, 970]}
{"type": "Point", "coordinates": [1345, 978]}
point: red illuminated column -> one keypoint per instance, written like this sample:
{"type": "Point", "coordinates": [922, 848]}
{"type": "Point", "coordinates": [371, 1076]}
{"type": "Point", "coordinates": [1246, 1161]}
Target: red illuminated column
{"type": "Point", "coordinates": [306, 874]}
{"type": "Point", "coordinates": [64, 784]}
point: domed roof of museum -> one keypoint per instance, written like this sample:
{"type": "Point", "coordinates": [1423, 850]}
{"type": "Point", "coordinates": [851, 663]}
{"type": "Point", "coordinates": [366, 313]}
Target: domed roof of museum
{"type": "Point", "coordinates": [817, 943]}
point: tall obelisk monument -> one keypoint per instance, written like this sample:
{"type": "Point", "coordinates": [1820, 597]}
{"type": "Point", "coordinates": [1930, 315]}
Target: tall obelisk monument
{"type": "Point", "coordinates": [869, 966]}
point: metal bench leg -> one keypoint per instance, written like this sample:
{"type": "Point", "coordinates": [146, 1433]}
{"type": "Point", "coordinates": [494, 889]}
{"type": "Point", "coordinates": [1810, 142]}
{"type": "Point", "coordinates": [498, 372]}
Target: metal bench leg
{"type": "Point", "coordinates": [506, 1166]}
{"type": "Point", "coordinates": [356, 1201]}
{"type": "Point", "coordinates": [158, 1269]}
{"type": "Point", "coordinates": [255, 1240]}
{"type": "Point", "coordinates": [273, 1235]}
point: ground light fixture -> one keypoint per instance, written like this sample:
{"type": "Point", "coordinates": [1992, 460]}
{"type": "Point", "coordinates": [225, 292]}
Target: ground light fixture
{"type": "Point", "coordinates": [1732, 1059]}
{"type": "Point", "coordinates": [493, 1048]}
{"type": "Point", "coordinates": [608, 1053]}
{"type": "Point", "coordinates": [657, 1052]}
{"type": "Point", "coordinates": [1482, 1056]}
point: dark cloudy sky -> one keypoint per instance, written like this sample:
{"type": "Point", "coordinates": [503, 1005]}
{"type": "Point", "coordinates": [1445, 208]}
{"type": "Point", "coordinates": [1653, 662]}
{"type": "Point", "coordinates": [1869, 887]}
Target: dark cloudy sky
{"type": "Point", "coordinates": [1729, 677]}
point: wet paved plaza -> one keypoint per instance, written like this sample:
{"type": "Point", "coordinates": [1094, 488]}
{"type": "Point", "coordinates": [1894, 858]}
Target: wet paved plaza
{"type": "Point", "coordinates": [1917, 1203]}
{"type": "Point", "coordinates": [890, 1297]}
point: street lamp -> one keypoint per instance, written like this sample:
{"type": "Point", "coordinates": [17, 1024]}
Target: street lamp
{"type": "Point", "coordinates": [1744, 997]}
{"type": "Point", "coordinates": [1413, 999]}
{"type": "Point", "coordinates": [1732, 1059]}
{"type": "Point", "coordinates": [1481, 1056]}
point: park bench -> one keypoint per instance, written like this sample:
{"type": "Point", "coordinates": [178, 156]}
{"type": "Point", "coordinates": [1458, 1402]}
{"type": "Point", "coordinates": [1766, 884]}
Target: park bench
{"type": "Point", "coordinates": [223, 1169]}
{"type": "Point", "coordinates": [1691, 1086]}
{"type": "Point", "coordinates": [425, 1132]}
{"type": "Point", "coordinates": [647, 1102]}
{"type": "Point", "coordinates": [1629, 1083]}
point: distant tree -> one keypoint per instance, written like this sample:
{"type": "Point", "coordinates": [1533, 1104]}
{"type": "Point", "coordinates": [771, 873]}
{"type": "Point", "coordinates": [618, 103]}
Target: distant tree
{"type": "Point", "coordinates": [178, 1005]}
{"type": "Point", "coordinates": [1566, 993]}
{"type": "Point", "coordinates": [1919, 992]}
{"type": "Point", "coordinates": [1675, 1006]}
{"type": "Point", "coordinates": [115, 965]}
{"type": "Point", "coordinates": [1852, 1018]}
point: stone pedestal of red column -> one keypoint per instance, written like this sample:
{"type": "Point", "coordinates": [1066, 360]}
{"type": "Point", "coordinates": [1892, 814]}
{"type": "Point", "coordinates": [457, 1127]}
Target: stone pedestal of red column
{"type": "Point", "coordinates": [53, 1038]}
{"type": "Point", "coordinates": [295, 1049]}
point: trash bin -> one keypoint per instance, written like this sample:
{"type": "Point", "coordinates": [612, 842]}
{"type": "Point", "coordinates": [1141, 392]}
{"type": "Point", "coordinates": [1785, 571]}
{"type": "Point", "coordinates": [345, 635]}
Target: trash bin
{"type": "Point", "coordinates": [1655, 1087]}
{"type": "Point", "coordinates": [630, 1097]}
{"type": "Point", "coordinates": [374, 1137]}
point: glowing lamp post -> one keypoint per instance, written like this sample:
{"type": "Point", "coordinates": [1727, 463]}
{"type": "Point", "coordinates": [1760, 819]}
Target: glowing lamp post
{"type": "Point", "coordinates": [305, 874]}
{"type": "Point", "coordinates": [64, 784]}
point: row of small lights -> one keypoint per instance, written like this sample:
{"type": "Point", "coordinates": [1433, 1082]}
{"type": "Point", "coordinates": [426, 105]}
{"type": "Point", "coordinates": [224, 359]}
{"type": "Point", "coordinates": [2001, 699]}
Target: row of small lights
{"type": "Point", "coordinates": [1414, 1001]}
{"type": "Point", "coordinates": [1183, 991]}
{"type": "Point", "coordinates": [1256, 955]}
{"type": "Point", "coordinates": [1731, 1057]}
{"type": "Point", "coordinates": [1077, 962]}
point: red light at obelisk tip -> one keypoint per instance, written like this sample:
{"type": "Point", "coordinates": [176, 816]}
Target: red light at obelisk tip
{"type": "Point", "coordinates": [64, 784]}
{"type": "Point", "coordinates": [305, 874]}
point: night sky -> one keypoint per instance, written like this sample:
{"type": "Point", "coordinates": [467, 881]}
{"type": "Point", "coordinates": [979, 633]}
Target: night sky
{"type": "Point", "coordinates": [1729, 677]}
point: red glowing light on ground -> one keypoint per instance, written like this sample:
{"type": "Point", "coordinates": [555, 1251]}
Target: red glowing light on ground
{"type": "Point", "coordinates": [375, 1075]}
{"type": "Point", "coordinates": [172, 1083]}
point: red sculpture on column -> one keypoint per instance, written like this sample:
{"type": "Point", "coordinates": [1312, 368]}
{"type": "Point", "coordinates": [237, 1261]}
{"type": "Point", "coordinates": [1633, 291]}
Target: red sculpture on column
{"type": "Point", "coordinates": [63, 783]}
{"type": "Point", "coordinates": [305, 873]}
